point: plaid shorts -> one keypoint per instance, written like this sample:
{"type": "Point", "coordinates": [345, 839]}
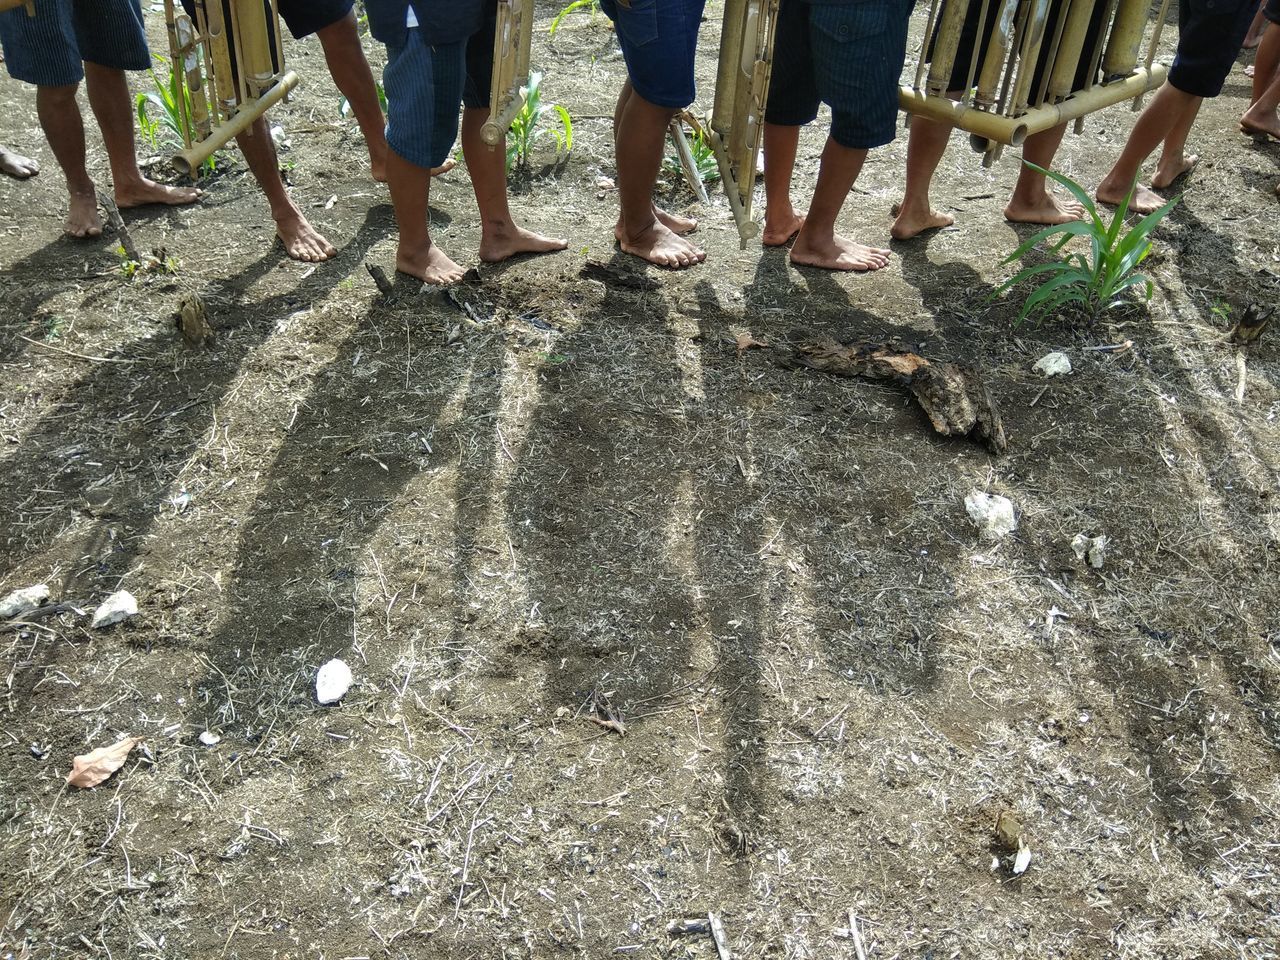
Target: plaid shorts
{"type": "Point", "coordinates": [846, 55]}
{"type": "Point", "coordinates": [424, 91]}
{"type": "Point", "coordinates": [49, 48]}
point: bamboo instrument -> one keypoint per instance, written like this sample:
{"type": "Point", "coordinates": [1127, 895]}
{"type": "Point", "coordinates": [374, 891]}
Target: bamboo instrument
{"type": "Point", "coordinates": [14, 4]}
{"type": "Point", "coordinates": [737, 115]}
{"type": "Point", "coordinates": [511, 45]}
{"type": "Point", "coordinates": [1009, 102]}
{"type": "Point", "coordinates": [230, 68]}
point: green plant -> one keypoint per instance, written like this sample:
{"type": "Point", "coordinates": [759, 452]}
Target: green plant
{"type": "Point", "coordinates": [344, 105]}
{"type": "Point", "coordinates": [1095, 281]}
{"type": "Point", "coordinates": [704, 159]}
{"type": "Point", "coordinates": [592, 5]}
{"type": "Point", "coordinates": [166, 96]}
{"type": "Point", "coordinates": [525, 130]}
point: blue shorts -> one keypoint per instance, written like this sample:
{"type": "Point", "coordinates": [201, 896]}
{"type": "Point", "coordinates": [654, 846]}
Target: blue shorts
{"type": "Point", "coordinates": [305, 17]}
{"type": "Point", "coordinates": [424, 90]}
{"type": "Point", "coordinates": [846, 55]}
{"type": "Point", "coordinates": [1210, 33]}
{"type": "Point", "coordinates": [1272, 11]}
{"type": "Point", "coordinates": [49, 48]}
{"type": "Point", "coordinates": [659, 39]}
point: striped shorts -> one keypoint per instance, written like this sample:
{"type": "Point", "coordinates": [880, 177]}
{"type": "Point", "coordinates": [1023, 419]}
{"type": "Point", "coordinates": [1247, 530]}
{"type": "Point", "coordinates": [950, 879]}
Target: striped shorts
{"type": "Point", "coordinates": [846, 55]}
{"type": "Point", "coordinates": [424, 91]}
{"type": "Point", "coordinates": [48, 49]}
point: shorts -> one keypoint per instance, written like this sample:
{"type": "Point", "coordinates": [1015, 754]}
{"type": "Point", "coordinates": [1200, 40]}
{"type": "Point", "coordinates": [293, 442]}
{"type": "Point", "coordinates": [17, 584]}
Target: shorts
{"type": "Point", "coordinates": [1210, 33]}
{"type": "Point", "coordinates": [305, 17]}
{"type": "Point", "coordinates": [49, 48]}
{"type": "Point", "coordinates": [478, 90]}
{"type": "Point", "coordinates": [846, 55]}
{"type": "Point", "coordinates": [424, 90]}
{"type": "Point", "coordinates": [1272, 11]}
{"type": "Point", "coordinates": [972, 34]}
{"type": "Point", "coordinates": [659, 39]}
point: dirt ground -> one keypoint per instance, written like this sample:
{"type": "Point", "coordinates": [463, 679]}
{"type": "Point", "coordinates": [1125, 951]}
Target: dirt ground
{"type": "Point", "coordinates": [559, 492]}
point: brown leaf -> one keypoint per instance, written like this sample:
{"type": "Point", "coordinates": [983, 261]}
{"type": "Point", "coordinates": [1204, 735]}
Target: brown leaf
{"type": "Point", "coordinates": [92, 768]}
{"type": "Point", "coordinates": [746, 341]}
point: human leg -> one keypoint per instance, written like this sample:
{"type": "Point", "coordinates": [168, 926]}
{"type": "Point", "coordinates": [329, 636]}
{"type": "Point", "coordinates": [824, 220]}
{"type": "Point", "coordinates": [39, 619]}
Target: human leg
{"type": "Point", "coordinates": [1261, 116]}
{"type": "Point", "coordinates": [345, 57]}
{"type": "Point", "coordinates": [301, 240]}
{"type": "Point", "coordinates": [793, 102]}
{"type": "Point", "coordinates": [926, 143]}
{"type": "Point", "coordinates": [63, 127]}
{"type": "Point", "coordinates": [1032, 200]}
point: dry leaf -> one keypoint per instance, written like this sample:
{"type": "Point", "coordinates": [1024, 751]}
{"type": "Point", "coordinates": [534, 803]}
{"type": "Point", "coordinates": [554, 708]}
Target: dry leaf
{"type": "Point", "coordinates": [746, 341]}
{"type": "Point", "coordinates": [92, 768]}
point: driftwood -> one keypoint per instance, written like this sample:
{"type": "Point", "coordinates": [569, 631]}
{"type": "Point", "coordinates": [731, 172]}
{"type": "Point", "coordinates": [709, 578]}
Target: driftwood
{"type": "Point", "coordinates": [954, 397]}
{"type": "Point", "coordinates": [1253, 321]}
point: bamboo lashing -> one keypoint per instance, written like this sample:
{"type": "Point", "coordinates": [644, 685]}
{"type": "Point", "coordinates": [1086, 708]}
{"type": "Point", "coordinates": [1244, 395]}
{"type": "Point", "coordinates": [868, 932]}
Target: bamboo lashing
{"type": "Point", "coordinates": [736, 124]}
{"type": "Point", "coordinates": [30, 6]}
{"type": "Point", "coordinates": [511, 45]}
{"type": "Point", "coordinates": [1038, 66]}
{"type": "Point", "coordinates": [229, 64]}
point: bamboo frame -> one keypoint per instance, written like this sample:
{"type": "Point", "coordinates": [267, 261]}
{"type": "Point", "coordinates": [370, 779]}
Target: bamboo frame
{"type": "Point", "coordinates": [231, 67]}
{"type": "Point", "coordinates": [512, 42]}
{"type": "Point", "coordinates": [737, 114]}
{"type": "Point", "coordinates": [30, 5]}
{"type": "Point", "coordinates": [1121, 54]}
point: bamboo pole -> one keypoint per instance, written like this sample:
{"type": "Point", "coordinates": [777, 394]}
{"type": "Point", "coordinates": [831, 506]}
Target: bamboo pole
{"type": "Point", "coordinates": [1066, 64]}
{"type": "Point", "coordinates": [511, 42]}
{"type": "Point", "coordinates": [1155, 42]}
{"type": "Point", "coordinates": [942, 59]}
{"type": "Point", "coordinates": [728, 73]}
{"type": "Point", "coordinates": [30, 6]}
{"type": "Point", "coordinates": [1121, 55]}
{"type": "Point", "coordinates": [1028, 55]}
{"type": "Point", "coordinates": [188, 161]}
{"type": "Point", "coordinates": [997, 51]}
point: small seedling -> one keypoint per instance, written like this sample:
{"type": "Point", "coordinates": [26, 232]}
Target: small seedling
{"type": "Point", "coordinates": [525, 130]}
{"type": "Point", "coordinates": [166, 96]}
{"type": "Point", "coordinates": [593, 6]}
{"type": "Point", "coordinates": [704, 159]}
{"type": "Point", "coordinates": [344, 105]}
{"type": "Point", "coordinates": [1096, 281]}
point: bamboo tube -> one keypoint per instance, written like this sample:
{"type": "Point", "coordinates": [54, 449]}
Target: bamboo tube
{"type": "Point", "coordinates": [1060, 22]}
{"type": "Point", "coordinates": [15, 4]}
{"type": "Point", "coordinates": [942, 59]}
{"type": "Point", "coordinates": [1028, 56]}
{"type": "Point", "coordinates": [922, 61]}
{"type": "Point", "coordinates": [982, 122]}
{"type": "Point", "coordinates": [997, 50]}
{"type": "Point", "coordinates": [687, 163]}
{"type": "Point", "coordinates": [1151, 49]}
{"type": "Point", "coordinates": [218, 54]}
{"type": "Point", "coordinates": [728, 72]}
{"type": "Point", "coordinates": [1141, 81]}
{"type": "Point", "coordinates": [747, 228]}
{"type": "Point", "coordinates": [1121, 55]}
{"type": "Point", "coordinates": [253, 49]}
{"type": "Point", "coordinates": [1066, 63]}
{"type": "Point", "coordinates": [188, 161]}
{"type": "Point", "coordinates": [511, 42]}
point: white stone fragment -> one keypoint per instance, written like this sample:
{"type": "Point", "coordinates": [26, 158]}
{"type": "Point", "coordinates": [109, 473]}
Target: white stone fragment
{"type": "Point", "coordinates": [1022, 860]}
{"type": "Point", "coordinates": [117, 607]}
{"type": "Point", "coordinates": [209, 738]}
{"type": "Point", "coordinates": [991, 513]}
{"type": "Point", "coordinates": [1091, 550]}
{"type": "Point", "coordinates": [332, 682]}
{"type": "Point", "coordinates": [23, 601]}
{"type": "Point", "coordinates": [1056, 364]}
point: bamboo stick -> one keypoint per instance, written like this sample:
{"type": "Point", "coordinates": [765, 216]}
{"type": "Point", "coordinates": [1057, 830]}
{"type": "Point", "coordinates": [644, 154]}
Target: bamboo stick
{"type": "Point", "coordinates": [942, 59]}
{"type": "Point", "coordinates": [997, 51]}
{"type": "Point", "coordinates": [14, 4]}
{"type": "Point", "coordinates": [1121, 55]}
{"type": "Point", "coordinates": [1075, 31]}
{"type": "Point", "coordinates": [188, 161]}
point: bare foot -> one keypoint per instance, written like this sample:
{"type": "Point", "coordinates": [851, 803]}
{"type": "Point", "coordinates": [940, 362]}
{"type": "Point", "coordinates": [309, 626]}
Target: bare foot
{"type": "Point", "coordinates": [146, 192]}
{"type": "Point", "coordinates": [1248, 71]}
{"type": "Point", "coordinates": [429, 264]}
{"type": "Point", "coordinates": [674, 222]}
{"type": "Point", "coordinates": [439, 171]}
{"type": "Point", "coordinates": [1167, 174]}
{"type": "Point", "coordinates": [837, 253]}
{"type": "Point", "coordinates": [911, 222]}
{"type": "Point", "coordinates": [82, 217]}
{"type": "Point", "coordinates": [657, 244]}
{"type": "Point", "coordinates": [499, 245]}
{"type": "Point", "coordinates": [1046, 209]}
{"type": "Point", "coordinates": [1260, 124]}
{"type": "Point", "coordinates": [1142, 201]}
{"type": "Point", "coordinates": [16, 165]}
{"type": "Point", "coordinates": [301, 240]}
{"type": "Point", "coordinates": [780, 231]}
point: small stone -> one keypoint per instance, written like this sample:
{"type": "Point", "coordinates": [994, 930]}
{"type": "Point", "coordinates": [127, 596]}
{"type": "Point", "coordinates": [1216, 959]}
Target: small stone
{"type": "Point", "coordinates": [1090, 550]}
{"type": "Point", "coordinates": [209, 738]}
{"type": "Point", "coordinates": [1056, 364]}
{"type": "Point", "coordinates": [992, 513]}
{"type": "Point", "coordinates": [332, 682]}
{"type": "Point", "coordinates": [24, 601]}
{"type": "Point", "coordinates": [117, 607]}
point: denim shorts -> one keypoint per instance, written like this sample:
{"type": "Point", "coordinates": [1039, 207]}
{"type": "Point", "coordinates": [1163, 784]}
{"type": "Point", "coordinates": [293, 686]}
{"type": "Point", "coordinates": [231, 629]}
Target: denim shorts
{"type": "Point", "coordinates": [1210, 33]}
{"type": "Point", "coordinates": [846, 55]}
{"type": "Point", "coordinates": [424, 91]}
{"type": "Point", "coordinates": [48, 49]}
{"type": "Point", "coordinates": [659, 39]}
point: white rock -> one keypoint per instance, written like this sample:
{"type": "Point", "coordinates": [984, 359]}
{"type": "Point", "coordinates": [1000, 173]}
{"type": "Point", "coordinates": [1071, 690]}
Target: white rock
{"type": "Point", "coordinates": [119, 606]}
{"type": "Point", "coordinates": [23, 601]}
{"type": "Point", "coordinates": [1091, 550]}
{"type": "Point", "coordinates": [1022, 860]}
{"type": "Point", "coordinates": [332, 682]}
{"type": "Point", "coordinates": [992, 513]}
{"type": "Point", "coordinates": [1054, 364]}
{"type": "Point", "coordinates": [209, 738]}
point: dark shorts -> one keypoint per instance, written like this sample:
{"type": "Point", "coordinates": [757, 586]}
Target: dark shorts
{"type": "Point", "coordinates": [48, 49]}
{"type": "Point", "coordinates": [305, 17]}
{"type": "Point", "coordinates": [659, 39]}
{"type": "Point", "coordinates": [1210, 33]}
{"type": "Point", "coordinates": [975, 34]}
{"type": "Point", "coordinates": [478, 91]}
{"type": "Point", "coordinates": [424, 90]}
{"type": "Point", "coordinates": [1272, 11]}
{"type": "Point", "coordinates": [846, 55]}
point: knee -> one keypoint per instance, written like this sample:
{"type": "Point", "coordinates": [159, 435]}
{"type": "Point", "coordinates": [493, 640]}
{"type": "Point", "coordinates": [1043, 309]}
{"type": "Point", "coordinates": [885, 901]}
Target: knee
{"type": "Point", "coordinates": [59, 96]}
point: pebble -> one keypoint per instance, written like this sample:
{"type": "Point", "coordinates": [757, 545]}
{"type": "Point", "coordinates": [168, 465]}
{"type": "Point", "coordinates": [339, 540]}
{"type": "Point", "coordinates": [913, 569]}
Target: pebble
{"type": "Point", "coordinates": [992, 513]}
{"type": "Point", "coordinates": [1054, 364]}
{"type": "Point", "coordinates": [117, 607]}
{"type": "Point", "coordinates": [24, 601]}
{"type": "Point", "coordinates": [332, 682]}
